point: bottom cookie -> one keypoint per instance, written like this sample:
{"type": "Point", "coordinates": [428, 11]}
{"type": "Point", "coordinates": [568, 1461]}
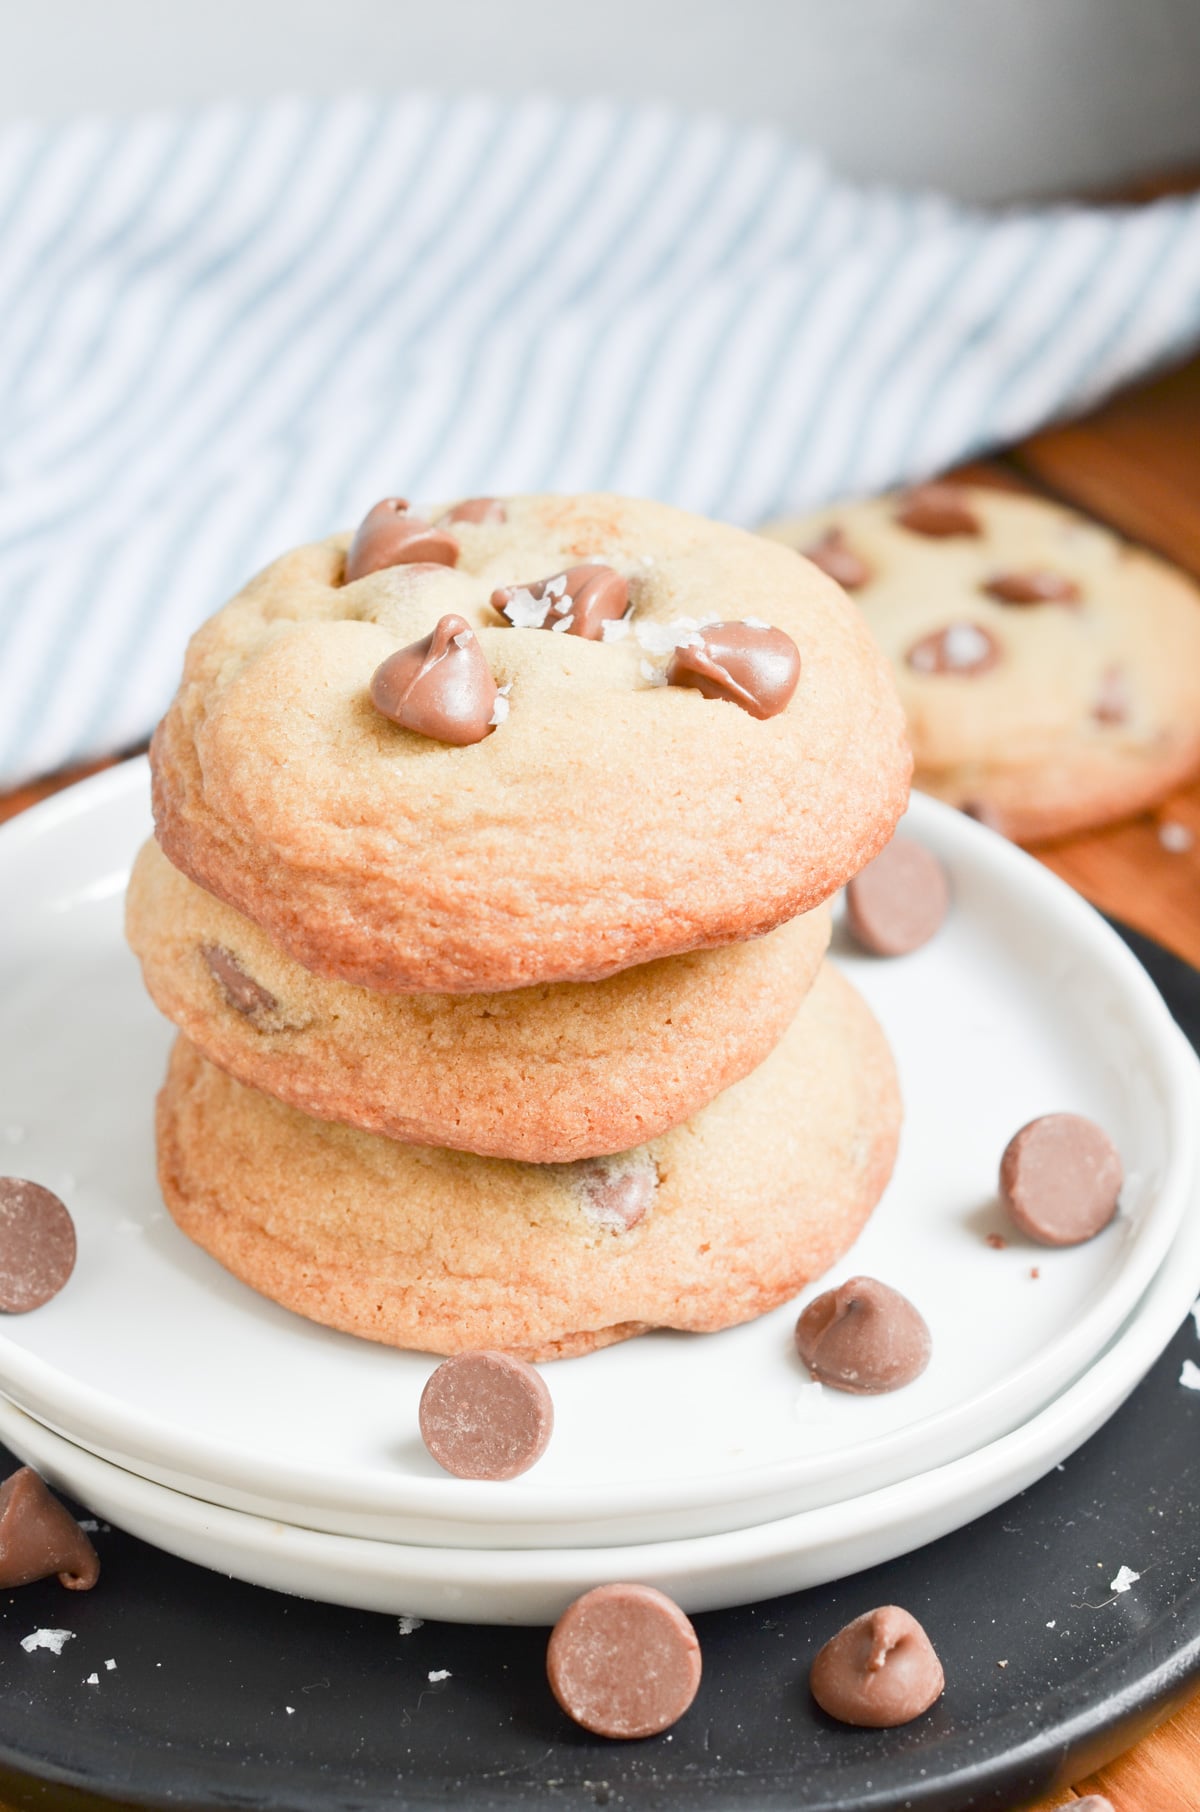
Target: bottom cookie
{"type": "Point", "coordinates": [709, 1225]}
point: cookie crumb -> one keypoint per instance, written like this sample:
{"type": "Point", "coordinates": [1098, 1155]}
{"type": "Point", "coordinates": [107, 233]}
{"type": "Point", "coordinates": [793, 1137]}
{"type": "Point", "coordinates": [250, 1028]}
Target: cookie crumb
{"type": "Point", "coordinates": [997, 1242]}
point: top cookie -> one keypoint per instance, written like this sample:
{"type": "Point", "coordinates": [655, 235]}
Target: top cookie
{"type": "Point", "coordinates": [1049, 671]}
{"type": "Point", "coordinates": [608, 818]}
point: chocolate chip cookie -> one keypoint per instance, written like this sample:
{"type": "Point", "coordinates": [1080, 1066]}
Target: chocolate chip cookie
{"type": "Point", "coordinates": [1050, 672]}
{"type": "Point", "coordinates": [546, 1074]}
{"type": "Point", "coordinates": [710, 1224]}
{"type": "Point", "coordinates": [528, 740]}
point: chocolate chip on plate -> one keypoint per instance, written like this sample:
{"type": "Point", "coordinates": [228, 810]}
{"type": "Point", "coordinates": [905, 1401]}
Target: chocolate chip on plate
{"type": "Point", "coordinates": [389, 536]}
{"type": "Point", "coordinates": [748, 664]}
{"type": "Point", "coordinates": [486, 1415]}
{"type": "Point", "coordinates": [37, 1245]}
{"type": "Point", "coordinates": [881, 1670]}
{"type": "Point", "coordinates": [441, 686]}
{"type": "Point", "coordinates": [863, 1337]}
{"type": "Point", "coordinates": [39, 1537]}
{"type": "Point", "coordinates": [838, 560]}
{"type": "Point", "coordinates": [624, 1661]}
{"type": "Point", "coordinates": [578, 602]}
{"type": "Point", "coordinates": [1060, 1179]}
{"type": "Point", "coordinates": [897, 902]}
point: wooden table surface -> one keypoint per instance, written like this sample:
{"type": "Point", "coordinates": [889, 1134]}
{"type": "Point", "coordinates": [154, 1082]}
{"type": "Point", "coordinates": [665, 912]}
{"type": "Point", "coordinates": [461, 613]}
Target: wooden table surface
{"type": "Point", "coordinates": [1135, 465]}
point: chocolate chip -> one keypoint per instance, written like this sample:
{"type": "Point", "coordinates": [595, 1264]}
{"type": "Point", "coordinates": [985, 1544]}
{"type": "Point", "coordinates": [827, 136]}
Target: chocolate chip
{"type": "Point", "coordinates": [486, 1416]}
{"type": "Point", "coordinates": [836, 558]}
{"type": "Point", "coordinates": [863, 1337]}
{"type": "Point", "coordinates": [579, 601]}
{"type": "Point", "coordinates": [441, 686]}
{"type": "Point", "coordinates": [939, 510]}
{"type": "Point", "coordinates": [476, 509]}
{"type": "Point", "coordinates": [1037, 587]}
{"type": "Point", "coordinates": [1114, 702]}
{"type": "Point", "coordinates": [881, 1670]}
{"type": "Point", "coordinates": [748, 664]}
{"type": "Point", "coordinates": [624, 1661]}
{"type": "Point", "coordinates": [1060, 1179]}
{"type": "Point", "coordinates": [389, 536]}
{"type": "Point", "coordinates": [40, 1537]}
{"type": "Point", "coordinates": [962, 648]}
{"type": "Point", "coordinates": [37, 1245]}
{"type": "Point", "coordinates": [897, 902]}
{"type": "Point", "coordinates": [240, 990]}
{"type": "Point", "coordinates": [618, 1191]}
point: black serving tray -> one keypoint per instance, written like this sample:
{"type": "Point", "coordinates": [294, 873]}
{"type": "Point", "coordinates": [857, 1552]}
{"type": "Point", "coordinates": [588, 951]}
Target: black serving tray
{"type": "Point", "coordinates": [1048, 1673]}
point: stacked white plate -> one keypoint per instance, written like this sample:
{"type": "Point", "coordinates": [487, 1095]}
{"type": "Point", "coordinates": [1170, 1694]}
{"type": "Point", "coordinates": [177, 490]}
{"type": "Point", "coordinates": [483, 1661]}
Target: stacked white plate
{"type": "Point", "coordinates": [182, 1406]}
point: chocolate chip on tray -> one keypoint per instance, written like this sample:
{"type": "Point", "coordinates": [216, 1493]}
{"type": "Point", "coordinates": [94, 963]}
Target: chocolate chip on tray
{"type": "Point", "coordinates": [37, 1245]}
{"type": "Point", "coordinates": [863, 1337]}
{"type": "Point", "coordinates": [486, 1415]}
{"type": "Point", "coordinates": [624, 1661]}
{"type": "Point", "coordinates": [939, 510]}
{"type": "Point", "coordinates": [879, 1671]}
{"type": "Point", "coordinates": [838, 560]}
{"type": "Point", "coordinates": [897, 902]}
{"type": "Point", "coordinates": [40, 1537]}
{"type": "Point", "coordinates": [1060, 1179]}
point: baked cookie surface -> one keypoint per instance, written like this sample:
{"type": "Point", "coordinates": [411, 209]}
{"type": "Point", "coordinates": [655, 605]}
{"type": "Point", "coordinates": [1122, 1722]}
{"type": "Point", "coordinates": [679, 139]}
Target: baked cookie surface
{"type": "Point", "coordinates": [608, 820]}
{"type": "Point", "coordinates": [1049, 671]}
{"type": "Point", "coordinates": [548, 1074]}
{"type": "Point", "coordinates": [711, 1224]}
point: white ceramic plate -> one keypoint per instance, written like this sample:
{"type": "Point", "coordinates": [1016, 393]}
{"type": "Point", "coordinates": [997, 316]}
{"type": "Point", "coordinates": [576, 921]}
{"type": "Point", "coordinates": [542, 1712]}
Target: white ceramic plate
{"type": "Point", "coordinates": [462, 1585]}
{"type": "Point", "coordinates": [153, 1356]}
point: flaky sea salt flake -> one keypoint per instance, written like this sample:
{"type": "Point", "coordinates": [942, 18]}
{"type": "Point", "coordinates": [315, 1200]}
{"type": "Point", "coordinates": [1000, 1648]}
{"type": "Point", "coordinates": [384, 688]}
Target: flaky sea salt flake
{"type": "Point", "coordinates": [615, 629]}
{"type": "Point", "coordinates": [1176, 837]}
{"type": "Point", "coordinates": [438, 1673]}
{"type": "Point", "coordinates": [1126, 1577]}
{"type": "Point", "coordinates": [755, 623]}
{"type": "Point", "coordinates": [1189, 1377]}
{"type": "Point", "coordinates": [656, 676]}
{"type": "Point", "coordinates": [500, 709]}
{"type": "Point", "coordinates": [54, 1640]}
{"type": "Point", "coordinates": [409, 1624]}
{"type": "Point", "coordinates": [562, 625]}
{"type": "Point", "coordinates": [524, 611]}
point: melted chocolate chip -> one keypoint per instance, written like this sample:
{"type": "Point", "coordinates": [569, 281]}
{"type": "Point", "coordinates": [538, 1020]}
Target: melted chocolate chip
{"type": "Point", "coordinates": [897, 902]}
{"type": "Point", "coordinates": [618, 1192]}
{"type": "Point", "coordinates": [240, 990]}
{"type": "Point", "coordinates": [37, 1245]}
{"type": "Point", "coordinates": [939, 510]}
{"type": "Point", "coordinates": [441, 686]}
{"type": "Point", "coordinates": [863, 1337]}
{"type": "Point", "coordinates": [624, 1661]}
{"type": "Point", "coordinates": [880, 1671]}
{"type": "Point", "coordinates": [961, 648]}
{"type": "Point", "coordinates": [486, 1416]}
{"type": "Point", "coordinates": [1036, 587]}
{"type": "Point", "coordinates": [1114, 701]}
{"type": "Point", "coordinates": [753, 666]}
{"type": "Point", "coordinates": [579, 601]}
{"type": "Point", "coordinates": [389, 536]}
{"type": "Point", "coordinates": [836, 558]}
{"type": "Point", "coordinates": [1060, 1179]}
{"type": "Point", "coordinates": [39, 1537]}
{"type": "Point", "coordinates": [476, 509]}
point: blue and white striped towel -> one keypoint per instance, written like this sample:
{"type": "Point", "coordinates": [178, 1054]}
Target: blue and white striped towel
{"type": "Point", "coordinates": [224, 333]}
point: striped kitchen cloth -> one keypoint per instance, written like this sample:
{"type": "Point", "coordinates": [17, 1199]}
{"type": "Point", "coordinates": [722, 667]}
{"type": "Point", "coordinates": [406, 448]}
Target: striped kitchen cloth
{"type": "Point", "coordinates": [230, 331]}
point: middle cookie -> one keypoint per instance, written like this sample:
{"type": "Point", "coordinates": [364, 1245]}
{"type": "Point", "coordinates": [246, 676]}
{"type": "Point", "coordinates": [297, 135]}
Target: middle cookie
{"type": "Point", "coordinates": [544, 1074]}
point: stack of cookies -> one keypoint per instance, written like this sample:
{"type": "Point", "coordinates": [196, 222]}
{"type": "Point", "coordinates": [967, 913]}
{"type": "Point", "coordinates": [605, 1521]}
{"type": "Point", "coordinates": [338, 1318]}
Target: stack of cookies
{"type": "Point", "coordinates": [490, 899]}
